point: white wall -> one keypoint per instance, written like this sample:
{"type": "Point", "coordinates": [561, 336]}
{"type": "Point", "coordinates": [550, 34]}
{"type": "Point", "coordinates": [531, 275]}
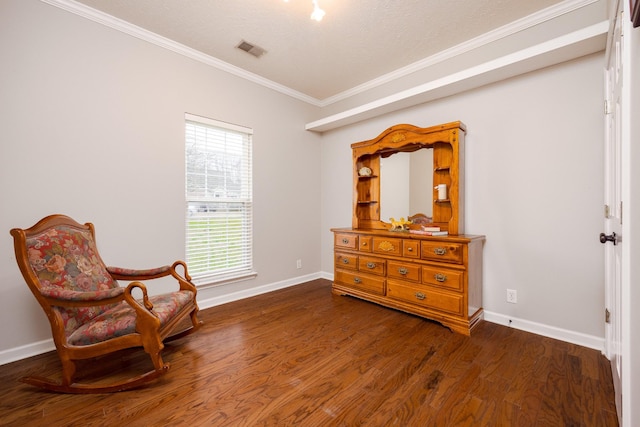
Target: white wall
{"type": "Point", "coordinates": [534, 187]}
{"type": "Point", "coordinates": [92, 125]}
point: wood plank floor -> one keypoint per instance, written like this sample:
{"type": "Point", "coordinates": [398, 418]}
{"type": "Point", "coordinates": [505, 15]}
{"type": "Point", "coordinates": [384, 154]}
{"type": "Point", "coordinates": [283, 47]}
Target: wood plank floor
{"type": "Point", "coordinates": [304, 357]}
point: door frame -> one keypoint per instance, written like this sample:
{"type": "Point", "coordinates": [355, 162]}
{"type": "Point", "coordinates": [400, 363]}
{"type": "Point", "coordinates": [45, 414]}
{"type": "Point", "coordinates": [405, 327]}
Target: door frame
{"type": "Point", "coordinates": [626, 393]}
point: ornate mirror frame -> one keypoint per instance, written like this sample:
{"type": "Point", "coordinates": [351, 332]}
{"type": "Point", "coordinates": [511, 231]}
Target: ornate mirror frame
{"type": "Point", "coordinates": [447, 142]}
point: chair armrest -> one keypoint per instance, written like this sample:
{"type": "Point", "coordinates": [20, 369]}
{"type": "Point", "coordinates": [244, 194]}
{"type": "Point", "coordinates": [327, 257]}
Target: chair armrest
{"type": "Point", "coordinates": [142, 306]}
{"type": "Point", "coordinates": [183, 279]}
{"type": "Point", "coordinates": [133, 274]}
{"type": "Point", "coordinates": [54, 292]}
{"type": "Point", "coordinates": [154, 273]}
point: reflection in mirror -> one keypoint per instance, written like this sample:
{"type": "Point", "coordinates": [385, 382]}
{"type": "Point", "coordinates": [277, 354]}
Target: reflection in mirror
{"type": "Point", "coordinates": [406, 184]}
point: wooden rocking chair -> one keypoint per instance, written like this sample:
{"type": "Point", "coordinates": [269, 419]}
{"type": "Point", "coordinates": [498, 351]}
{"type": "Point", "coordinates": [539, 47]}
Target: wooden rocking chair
{"type": "Point", "coordinates": [90, 314]}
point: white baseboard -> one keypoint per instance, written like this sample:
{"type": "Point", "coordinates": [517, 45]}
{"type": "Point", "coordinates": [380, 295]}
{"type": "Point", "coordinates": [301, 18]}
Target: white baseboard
{"type": "Point", "coordinates": [24, 351]}
{"type": "Point", "coordinates": [325, 275]}
{"type": "Point", "coordinates": [252, 292]}
{"type": "Point", "coordinates": [28, 350]}
{"type": "Point", "coordinates": [573, 337]}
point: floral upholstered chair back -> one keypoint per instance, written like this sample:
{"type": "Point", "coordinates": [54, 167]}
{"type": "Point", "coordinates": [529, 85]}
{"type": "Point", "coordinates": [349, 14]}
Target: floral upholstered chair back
{"type": "Point", "coordinates": [67, 265]}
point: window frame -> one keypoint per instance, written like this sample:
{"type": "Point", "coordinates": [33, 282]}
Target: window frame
{"type": "Point", "coordinates": [209, 211]}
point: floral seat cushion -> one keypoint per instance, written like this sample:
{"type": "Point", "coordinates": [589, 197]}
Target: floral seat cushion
{"type": "Point", "coordinates": [121, 319]}
{"type": "Point", "coordinates": [67, 264]}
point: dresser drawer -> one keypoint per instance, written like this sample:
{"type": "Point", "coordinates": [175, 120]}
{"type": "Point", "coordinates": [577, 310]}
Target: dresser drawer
{"type": "Point", "coordinates": [366, 243]}
{"type": "Point", "coordinates": [347, 241]}
{"type": "Point", "coordinates": [347, 261]}
{"type": "Point", "coordinates": [450, 279]}
{"type": "Point", "coordinates": [386, 246]}
{"type": "Point", "coordinates": [426, 296]}
{"type": "Point", "coordinates": [404, 271]}
{"type": "Point", "coordinates": [372, 265]}
{"type": "Point", "coordinates": [442, 251]}
{"type": "Point", "coordinates": [362, 282]}
{"type": "Point", "coordinates": [410, 249]}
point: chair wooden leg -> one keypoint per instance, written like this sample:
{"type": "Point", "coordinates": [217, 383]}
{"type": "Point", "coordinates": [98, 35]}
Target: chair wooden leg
{"type": "Point", "coordinates": [67, 384]}
{"type": "Point", "coordinates": [80, 388]}
{"type": "Point", "coordinates": [156, 359]}
{"type": "Point", "coordinates": [68, 370]}
{"type": "Point", "coordinates": [194, 319]}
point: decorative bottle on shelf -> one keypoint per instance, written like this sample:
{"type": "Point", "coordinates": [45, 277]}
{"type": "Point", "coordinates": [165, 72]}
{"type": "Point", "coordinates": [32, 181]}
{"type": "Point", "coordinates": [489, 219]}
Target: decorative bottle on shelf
{"type": "Point", "coordinates": [442, 191]}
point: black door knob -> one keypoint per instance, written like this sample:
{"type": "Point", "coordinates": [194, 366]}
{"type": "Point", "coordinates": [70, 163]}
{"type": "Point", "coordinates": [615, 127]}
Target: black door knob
{"type": "Point", "coordinates": [608, 238]}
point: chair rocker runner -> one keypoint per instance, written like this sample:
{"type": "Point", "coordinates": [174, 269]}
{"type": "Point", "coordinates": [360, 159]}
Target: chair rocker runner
{"type": "Point", "coordinates": [90, 314]}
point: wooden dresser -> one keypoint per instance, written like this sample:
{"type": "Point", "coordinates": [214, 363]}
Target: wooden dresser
{"type": "Point", "coordinates": [439, 278]}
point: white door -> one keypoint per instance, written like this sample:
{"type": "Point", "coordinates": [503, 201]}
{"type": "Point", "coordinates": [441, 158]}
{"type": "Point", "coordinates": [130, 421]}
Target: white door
{"type": "Point", "coordinates": [611, 237]}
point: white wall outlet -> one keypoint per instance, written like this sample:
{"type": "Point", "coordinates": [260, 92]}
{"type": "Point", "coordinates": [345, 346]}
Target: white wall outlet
{"type": "Point", "coordinates": [512, 296]}
{"type": "Point", "coordinates": [299, 263]}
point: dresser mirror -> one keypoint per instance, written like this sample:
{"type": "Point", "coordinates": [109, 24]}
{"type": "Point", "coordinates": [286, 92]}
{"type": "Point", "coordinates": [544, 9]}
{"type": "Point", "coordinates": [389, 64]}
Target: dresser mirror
{"type": "Point", "coordinates": [403, 165]}
{"type": "Point", "coordinates": [406, 184]}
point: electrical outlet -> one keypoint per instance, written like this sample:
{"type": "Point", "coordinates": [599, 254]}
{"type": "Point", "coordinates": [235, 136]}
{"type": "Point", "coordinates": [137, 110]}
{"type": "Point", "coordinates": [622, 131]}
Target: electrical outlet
{"type": "Point", "coordinates": [512, 296]}
{"type": "Point", "coordinates": [299, 263]}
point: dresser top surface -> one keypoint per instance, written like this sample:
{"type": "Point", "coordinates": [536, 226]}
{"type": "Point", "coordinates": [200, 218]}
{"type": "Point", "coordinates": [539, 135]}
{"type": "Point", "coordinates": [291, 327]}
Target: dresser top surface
{"type": "Point", "coordinates": [463, 238]}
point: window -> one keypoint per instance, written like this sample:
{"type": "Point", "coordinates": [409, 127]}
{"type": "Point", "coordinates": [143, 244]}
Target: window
{"type": "Point", "coordinates": [218, 200]}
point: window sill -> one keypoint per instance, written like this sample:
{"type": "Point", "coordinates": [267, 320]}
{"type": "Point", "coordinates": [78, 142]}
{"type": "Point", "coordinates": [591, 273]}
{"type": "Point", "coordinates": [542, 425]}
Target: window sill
{"type": "Point", "coordinates": [212, 281]}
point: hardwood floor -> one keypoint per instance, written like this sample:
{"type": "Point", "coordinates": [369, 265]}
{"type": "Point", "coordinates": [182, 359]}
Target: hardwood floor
{"type": "Point", "coordinates": [304, 357]}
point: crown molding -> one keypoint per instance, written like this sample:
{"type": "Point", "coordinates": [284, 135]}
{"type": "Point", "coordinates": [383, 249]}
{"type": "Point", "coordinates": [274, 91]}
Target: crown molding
{"type": "Point", "coordinates": [163, 42]}
{"type": "Point", "coordinates": [532, 20]}
{"type": "Point", "coordinates": [564, 48]}
{"type": "Point", "coordinates": [510, 29]}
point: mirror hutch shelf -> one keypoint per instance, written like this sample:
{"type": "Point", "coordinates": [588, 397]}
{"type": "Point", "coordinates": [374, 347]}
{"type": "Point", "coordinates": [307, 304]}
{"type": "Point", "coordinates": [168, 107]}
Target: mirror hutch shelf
{"type": "Point", "coordinates": [399, 265]}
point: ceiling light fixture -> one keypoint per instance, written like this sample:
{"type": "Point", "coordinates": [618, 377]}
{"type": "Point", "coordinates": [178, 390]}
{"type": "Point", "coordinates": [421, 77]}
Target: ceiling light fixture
{"type": "Point", "coordinates": [317, 13]}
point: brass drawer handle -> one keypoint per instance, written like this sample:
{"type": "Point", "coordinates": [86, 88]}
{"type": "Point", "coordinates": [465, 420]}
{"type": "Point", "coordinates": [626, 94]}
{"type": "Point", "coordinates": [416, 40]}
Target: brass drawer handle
{"type": "Point", "coordinates": [440, 277]}
{"type": "Point", "coordinates": [403, 271]}
{"type": "Point", "coordinates": [364, 243]}
{"type": "Point", "coordinates": [420, 296]}
{"type": "Point", "coordinates": [357, 280]}
{"type": "Point", "coordinates": [345, 260]}
{"type": "Point", "coordinates": [439, 251]}
{"type": "Point", "coordinates": [410, 249]}
{"type": "Point", "coordinates": [371, 265]}
{"type": "Point", "coordinates": [345, 241]}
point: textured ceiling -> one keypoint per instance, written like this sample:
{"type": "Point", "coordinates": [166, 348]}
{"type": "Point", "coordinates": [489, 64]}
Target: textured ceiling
{"type": "Point", "coordinates": [356, 42]}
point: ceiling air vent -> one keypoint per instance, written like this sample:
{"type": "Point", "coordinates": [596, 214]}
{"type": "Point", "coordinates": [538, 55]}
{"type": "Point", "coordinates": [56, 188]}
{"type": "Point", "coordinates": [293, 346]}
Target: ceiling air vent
{"type": "Point", "coordinates": [252, 49]}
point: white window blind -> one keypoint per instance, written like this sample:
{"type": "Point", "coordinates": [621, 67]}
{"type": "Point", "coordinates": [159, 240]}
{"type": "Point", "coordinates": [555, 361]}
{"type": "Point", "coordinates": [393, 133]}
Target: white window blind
{"type": "Point", "coordinates": [218, 200]}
